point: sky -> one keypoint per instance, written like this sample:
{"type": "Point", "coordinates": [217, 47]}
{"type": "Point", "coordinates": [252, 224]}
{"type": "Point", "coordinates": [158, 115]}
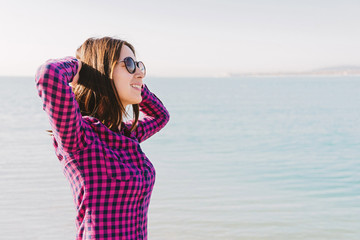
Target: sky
{"type": "Point", "coordinates": [188, 38]}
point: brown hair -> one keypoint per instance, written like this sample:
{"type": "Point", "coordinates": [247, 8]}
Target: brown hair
{"type": "Point", "coordinates": [95, 91]}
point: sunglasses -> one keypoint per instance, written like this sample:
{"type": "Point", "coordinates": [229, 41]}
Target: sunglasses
{"type": "Point", "coordinates": [130, 65]}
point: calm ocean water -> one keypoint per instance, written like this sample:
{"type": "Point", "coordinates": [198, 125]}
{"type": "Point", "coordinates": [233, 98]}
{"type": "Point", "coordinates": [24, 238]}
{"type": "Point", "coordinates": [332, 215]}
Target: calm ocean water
{"type": "Point", "coordinates": [245, 158]}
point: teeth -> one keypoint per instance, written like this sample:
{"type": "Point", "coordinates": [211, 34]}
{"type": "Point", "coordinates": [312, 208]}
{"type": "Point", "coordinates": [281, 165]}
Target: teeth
{"type": "Point", "coordinates": [136, 86]}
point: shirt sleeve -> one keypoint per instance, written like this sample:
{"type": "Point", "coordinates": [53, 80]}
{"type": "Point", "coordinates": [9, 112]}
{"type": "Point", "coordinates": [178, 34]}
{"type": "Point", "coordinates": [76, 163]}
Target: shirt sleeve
{"type": "Point", "coordinates": [52, 82]}
{"type": "Point", "coordinates": [155, 117]}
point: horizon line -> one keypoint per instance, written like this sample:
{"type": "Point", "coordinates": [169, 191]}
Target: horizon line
{"type": "Point", "coordinates": [339, 70]}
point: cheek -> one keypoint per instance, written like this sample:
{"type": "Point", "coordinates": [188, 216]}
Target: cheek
{"type": "Point", "coordinates": [121, 82]}
{"type": "Point", "coordinates": [123, 90]}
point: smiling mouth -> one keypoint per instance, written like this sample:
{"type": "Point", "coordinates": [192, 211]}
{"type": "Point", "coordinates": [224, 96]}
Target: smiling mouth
{"type": "Point", "coordinates": [137, 87]}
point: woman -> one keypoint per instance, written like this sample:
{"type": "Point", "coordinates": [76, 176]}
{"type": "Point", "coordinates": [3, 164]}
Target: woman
{"type": "Point", "coordinates": [86, 99]}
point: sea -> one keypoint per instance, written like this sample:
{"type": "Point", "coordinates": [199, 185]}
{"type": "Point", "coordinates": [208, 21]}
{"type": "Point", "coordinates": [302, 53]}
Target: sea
{"type": "Point", "coordinates": [259, 158]}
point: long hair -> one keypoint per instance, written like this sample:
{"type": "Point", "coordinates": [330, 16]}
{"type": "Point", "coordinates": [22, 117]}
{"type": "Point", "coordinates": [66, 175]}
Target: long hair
{"type": "Point", "coordinates": [95, 91]}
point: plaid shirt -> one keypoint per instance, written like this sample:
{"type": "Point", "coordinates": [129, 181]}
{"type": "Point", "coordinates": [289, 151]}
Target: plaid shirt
{"type": "Point", "coordinates": [110, 176]}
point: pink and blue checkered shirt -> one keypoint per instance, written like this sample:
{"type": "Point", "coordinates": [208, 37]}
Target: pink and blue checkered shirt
{"type": "Point", "coordinates": [110, 176]}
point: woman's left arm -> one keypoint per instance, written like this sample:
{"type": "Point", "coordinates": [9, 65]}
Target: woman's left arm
{"type": "Point", "coordinates": [155, 115]}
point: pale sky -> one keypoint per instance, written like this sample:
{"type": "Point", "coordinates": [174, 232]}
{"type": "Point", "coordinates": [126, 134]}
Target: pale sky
{"type": "Point", "coordinates": [188, 38]}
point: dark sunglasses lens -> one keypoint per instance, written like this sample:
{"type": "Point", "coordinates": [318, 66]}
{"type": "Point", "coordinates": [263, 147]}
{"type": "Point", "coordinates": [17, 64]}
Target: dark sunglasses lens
{"type": "Point", "coordinates": [130, 64]}
{"type": "Point", "coordinates": [142, 67]}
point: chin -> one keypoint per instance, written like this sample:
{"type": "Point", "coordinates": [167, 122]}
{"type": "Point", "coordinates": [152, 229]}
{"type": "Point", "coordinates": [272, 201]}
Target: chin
{"type": "Point", "coordinates": [137, 101]}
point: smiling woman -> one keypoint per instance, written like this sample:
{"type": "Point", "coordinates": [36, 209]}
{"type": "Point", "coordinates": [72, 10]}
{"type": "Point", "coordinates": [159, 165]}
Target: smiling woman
{"type": "Point", "coordinates": [128, 83]}
{"type": "Point", "coordinates": [110, 177]}
{"type": "Point", "coordinates": [104, 82]}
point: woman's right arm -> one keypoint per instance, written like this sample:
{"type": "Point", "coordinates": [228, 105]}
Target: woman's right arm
{"type": "Point", "coordinates": [52, 82]}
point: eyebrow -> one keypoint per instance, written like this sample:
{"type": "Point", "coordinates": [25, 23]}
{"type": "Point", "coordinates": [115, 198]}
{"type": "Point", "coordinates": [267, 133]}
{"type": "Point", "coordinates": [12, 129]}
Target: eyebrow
{"type": "Point", "coordinates": [129, 56]}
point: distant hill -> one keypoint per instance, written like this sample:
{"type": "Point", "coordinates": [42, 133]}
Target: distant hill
{"type": "Point", "coordinates": [329, 71]}
{"type": "Point", "coordinates": [341, 70]}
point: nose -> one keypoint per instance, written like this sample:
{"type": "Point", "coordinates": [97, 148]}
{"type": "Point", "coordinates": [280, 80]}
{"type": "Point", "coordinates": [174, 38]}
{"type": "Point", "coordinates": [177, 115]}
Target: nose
{"type": "Point", "coordinates": [139, 73]}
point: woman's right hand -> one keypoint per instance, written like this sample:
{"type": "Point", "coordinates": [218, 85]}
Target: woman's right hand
{"type": "Point", "coordinates": [76, 77]}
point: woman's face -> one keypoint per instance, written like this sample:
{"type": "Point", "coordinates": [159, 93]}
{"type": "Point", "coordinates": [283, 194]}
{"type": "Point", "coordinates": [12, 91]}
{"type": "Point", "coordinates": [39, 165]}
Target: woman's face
{"type": "Point", "coordinates": [127, 85]}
